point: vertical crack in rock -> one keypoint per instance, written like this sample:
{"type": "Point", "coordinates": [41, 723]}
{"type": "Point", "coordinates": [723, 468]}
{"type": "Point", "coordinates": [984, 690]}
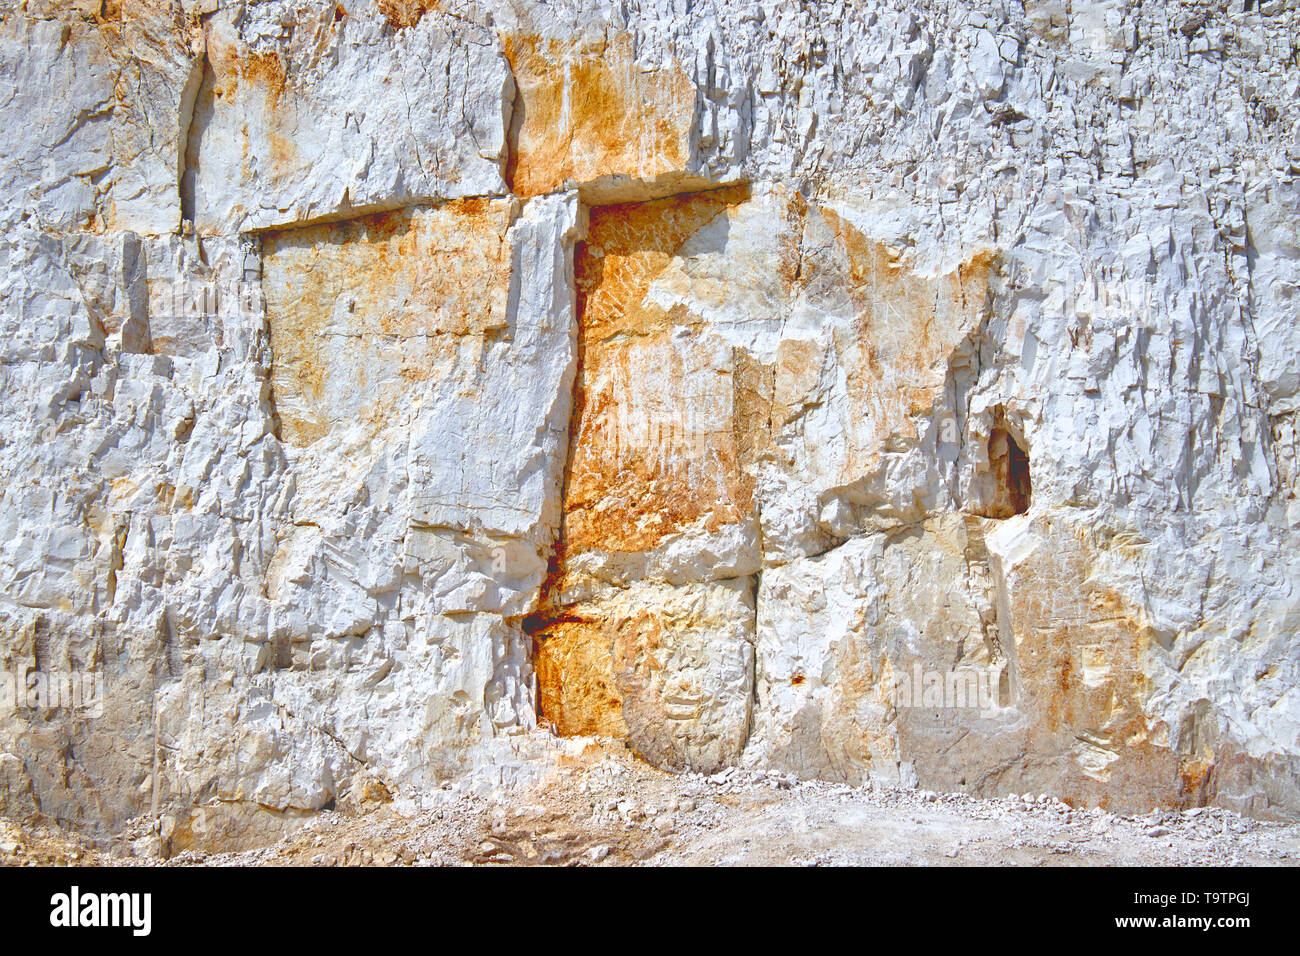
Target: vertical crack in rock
{"type": "Point", "coordinates": [517, 106]}
{"type": "Point", "coordinates": [550, 619]}
{"type": "Point", "coordinates": [194, 118]}
{"type": "Point", "coordinates": [751, 689]}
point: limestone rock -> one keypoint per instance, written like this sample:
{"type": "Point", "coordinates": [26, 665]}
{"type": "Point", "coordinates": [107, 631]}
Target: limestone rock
{"type": "Point", "coordinates": [326, 109]}
{"type": "Point", "coordinates": [668, 668]}
{"type": "Point", "coordinates": [96, 109]}
{"type": "Point", "coordinates": [756, 384]}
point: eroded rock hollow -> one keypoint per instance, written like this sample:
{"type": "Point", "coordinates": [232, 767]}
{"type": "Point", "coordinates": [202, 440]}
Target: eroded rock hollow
{"type": "Point", "coordinates": [865, 390]}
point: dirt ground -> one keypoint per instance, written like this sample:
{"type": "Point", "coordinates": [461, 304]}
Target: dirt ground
{"type": "Point", "coordinates": [609, 809]}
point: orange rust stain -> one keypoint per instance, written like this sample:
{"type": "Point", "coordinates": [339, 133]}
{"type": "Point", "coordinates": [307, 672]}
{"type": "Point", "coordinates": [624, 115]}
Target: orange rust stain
{"type": "Point", "coordinates": [1057, 612]}
{"type": "Point", "coordinates": [1061, 668]}
{"type": "Point", "coordinates": [116, 12]}
{"type": "Point", "coordinates": [794, 378]}
{"type": "Point", "coordinates": [646, 461]}
{"type": "Point", "coordinates": [606, 668]}
{"type": "Point", "coordinates": [642, 439]}
{"type": "Point", "coordinates": [585, 111]}
{"type": "Point", "coordinates": [576, 688]}
{"type": "Point", "coordinates": [752, 402]}
{"type": "Point", "coordinates": [643, 466]}
{"type": "Point", "coordinates": [283, 151]}
{"type": "Point", "coordinates": [664, 434]}
{"type": "Point", "coordinates": [256, 87]}
{"type": "Point", "coordinates": [266, 71]}
{"type": "Point", "coordinates": [907, 326]}
{"type": "Point", "coordinates": [402, 14]}
{"type": "Point", "coordinates": [629, 245]}
{"type": "Point", "coordinates": [1195, 782]}
{"type": "Point", "coordinates": [361, 310]}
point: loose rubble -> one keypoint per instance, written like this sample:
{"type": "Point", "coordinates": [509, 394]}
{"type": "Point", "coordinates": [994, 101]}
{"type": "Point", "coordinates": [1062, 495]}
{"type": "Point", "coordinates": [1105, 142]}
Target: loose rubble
{"type": "Point", "coordinates": [604, 808]}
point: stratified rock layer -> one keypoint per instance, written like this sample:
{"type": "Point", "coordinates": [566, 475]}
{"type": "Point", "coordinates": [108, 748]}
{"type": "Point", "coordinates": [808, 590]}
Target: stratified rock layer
{"type": "Point", "coordinates": [869, 390]}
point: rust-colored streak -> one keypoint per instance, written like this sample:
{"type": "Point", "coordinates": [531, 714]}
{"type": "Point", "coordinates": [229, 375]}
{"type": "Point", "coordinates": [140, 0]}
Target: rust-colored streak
{"type": "Point", "coordinates": [360, 311]}
{"type": "Point", "coordinates": [1082, 670]}
{"type": "Point", "coordinates": [590, 110]}
{"type": "Point", "coordinates": [403, 14]}
{"type": "Point", "coordinates": [670, 418]}
{"type": "Point", "coordinates": [119, 12]}
{"type": "Point", "coordinates": [257, 86]}
{"type": "Point", "coordinates": [628, 246]}
{"type": "Point", "coordinates": [907, 327]}
{"type": "Point", "coordinates": [235, 70]}
{"type": "Point", "coordinates": [576, 688]}
{"type": "Point", "coordinates": [654, 447]}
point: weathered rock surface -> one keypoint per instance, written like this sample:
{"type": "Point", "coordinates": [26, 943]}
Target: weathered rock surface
{"type": "Point", "coordinates": [669, 668]}
{"type": "Point", "coordinates": [97, 113]}
{"type": "Point", "coordinates": [312, 111]}
{"type": "Point", "coordinates": [866, 390]}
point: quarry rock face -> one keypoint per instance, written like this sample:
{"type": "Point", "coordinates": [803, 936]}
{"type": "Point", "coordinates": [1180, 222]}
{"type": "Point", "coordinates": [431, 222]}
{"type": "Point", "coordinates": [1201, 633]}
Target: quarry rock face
{"type": "Point", "coordinates": [870, 391]}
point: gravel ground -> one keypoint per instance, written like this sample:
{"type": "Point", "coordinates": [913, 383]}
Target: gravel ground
{"type": "Point", "coordinates": [605, 808]}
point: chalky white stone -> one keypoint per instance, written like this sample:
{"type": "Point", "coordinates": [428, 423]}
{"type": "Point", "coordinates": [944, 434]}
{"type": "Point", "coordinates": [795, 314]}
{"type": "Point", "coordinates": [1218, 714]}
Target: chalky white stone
{"type": "Point", "coordinates": [346, 359]}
